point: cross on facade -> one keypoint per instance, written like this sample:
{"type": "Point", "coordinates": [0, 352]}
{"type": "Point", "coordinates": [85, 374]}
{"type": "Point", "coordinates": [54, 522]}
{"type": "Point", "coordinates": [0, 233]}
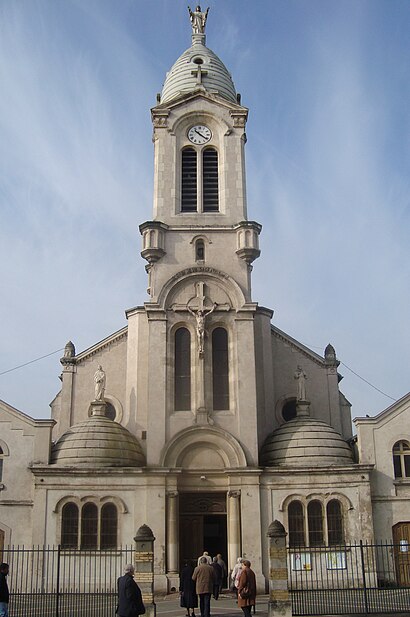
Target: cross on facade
{"type": "Point", "coordinates": [200, 313]}
{"type": "Point", "coordinates": [199, 72]}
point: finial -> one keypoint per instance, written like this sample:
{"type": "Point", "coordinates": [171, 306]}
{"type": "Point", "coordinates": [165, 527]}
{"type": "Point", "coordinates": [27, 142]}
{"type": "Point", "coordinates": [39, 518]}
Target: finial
{"type": "Point", "coordinates": [69, 354]}
{"type": "Point", "coordinates": [330, 356]}
{"type": "Point", "coordinates": [198, 19]}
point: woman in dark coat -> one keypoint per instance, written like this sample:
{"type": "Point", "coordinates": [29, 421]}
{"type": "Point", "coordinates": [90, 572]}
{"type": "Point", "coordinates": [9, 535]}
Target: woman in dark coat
{"type": "Point", "coordinates": [247, 580]}
{"type": "Point", "coordinates": [189, 599]}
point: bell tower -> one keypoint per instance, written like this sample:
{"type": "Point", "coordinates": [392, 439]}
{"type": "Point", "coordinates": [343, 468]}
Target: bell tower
{"type": "Point", "coordinates": [199, 212]}
{"type": "Point", "coordinates": [192, 347]}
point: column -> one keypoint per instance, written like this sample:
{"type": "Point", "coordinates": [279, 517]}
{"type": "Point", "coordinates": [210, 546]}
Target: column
{"type": "Point", "coordinates": [144, 567]}
{"type": "Point", "coordinates": [172, 532]}
{"type": "Point", "coordinates": [234, 528]}
{"type": "Point", "coordinates": [279, 599]}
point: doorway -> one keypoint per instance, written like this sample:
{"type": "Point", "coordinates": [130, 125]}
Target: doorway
{"type": "Point", "coordinates": [202, 526]}
{"type": "Point", "coordinates": [401, 539]}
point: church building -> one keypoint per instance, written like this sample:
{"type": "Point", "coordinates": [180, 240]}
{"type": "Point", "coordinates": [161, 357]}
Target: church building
{"type": "Point", "coordinates": [200, 418]}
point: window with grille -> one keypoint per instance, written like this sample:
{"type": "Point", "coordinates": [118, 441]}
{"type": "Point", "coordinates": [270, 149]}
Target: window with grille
{"type": "Point", "coordinates": [220, 369]}
{"type": "Point", "coordinates": [313, 534]}
{"type": "Point", "coordinates": [334, 523]}
{"type": "Point", "coordinates": [401, 459]}
{"type": "Point", "coordinates": [89, 526]}
{"type": "Point", "coordinates": [189, 197]}
{"type": "Point", "coordinates": [69, 526]}
{"type": "Point", "coordinates": [182, 368]}
{"type": "Point", "coordinates": [109, 525]}
{"type": "Point", "coordinates": [210, 180]}
{"type": "Point", "coordinates": [296, 524]}
{"type": "Point", "coordinates": [315, 523]}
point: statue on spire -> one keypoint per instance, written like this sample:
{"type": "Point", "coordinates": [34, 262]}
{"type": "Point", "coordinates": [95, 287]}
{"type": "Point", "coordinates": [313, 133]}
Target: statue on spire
{"type": "Point", "coordinates": [198, 19]}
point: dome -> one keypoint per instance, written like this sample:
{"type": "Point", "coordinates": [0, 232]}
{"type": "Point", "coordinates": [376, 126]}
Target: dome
{"type": "Point", "coordinates": [305, 442]}
{"type": "Point", "coordinates": [99, 441]}
{"type": "Point", "coordinates": [198, 68]}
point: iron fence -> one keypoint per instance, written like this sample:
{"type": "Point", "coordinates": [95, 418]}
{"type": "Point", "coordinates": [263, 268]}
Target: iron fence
{"type": "Point", "coordinates": [55, 582]}
{"type": "Point", "coordinates": [349, 579]}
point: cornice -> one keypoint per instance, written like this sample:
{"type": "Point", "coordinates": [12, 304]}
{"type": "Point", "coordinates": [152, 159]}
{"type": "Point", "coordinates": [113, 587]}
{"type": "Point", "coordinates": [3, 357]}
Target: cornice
{"type": "Point", "coordinates": [91, 351]}
{"type": "Point", "coordinates": [298, 346]}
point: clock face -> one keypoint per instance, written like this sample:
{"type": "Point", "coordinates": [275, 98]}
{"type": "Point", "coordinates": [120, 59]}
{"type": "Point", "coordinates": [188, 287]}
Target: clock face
{"type": "Point", "coordinates": [199, 134]}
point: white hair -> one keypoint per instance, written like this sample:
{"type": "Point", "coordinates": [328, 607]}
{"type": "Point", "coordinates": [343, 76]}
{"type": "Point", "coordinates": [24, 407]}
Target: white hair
{"type": "Point", "coordinates": [129, 568]}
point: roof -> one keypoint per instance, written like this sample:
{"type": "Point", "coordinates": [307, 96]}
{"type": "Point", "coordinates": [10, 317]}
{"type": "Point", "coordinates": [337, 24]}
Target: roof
{"type": "Point", "coordinates": [198, 68]}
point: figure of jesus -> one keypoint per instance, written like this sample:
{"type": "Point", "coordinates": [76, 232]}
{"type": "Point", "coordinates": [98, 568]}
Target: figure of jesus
{"type": "Point", "coordinates": [198, 20]}
{"type": "Point", "coordinates": [99, 380]}
{"type": "Point", "coordinates": [200, 316]}
{"type": "Point", "coordinates": [300, 375]}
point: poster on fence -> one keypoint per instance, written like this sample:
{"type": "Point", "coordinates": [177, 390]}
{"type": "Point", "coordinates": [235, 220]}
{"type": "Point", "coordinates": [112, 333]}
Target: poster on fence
{"type": "Point", "coordinates": [336, 561]}
{"type": "Point", "coordinates": [301, 561]}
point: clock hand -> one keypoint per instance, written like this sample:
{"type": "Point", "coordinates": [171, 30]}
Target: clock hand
{"type": "Point", "coordinates": [200, 134]}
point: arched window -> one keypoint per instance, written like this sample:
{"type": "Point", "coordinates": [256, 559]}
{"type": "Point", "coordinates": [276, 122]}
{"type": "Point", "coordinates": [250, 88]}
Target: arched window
{"type": "Point", "coordinates": [401, 459]}
{"type": "Point", "coordinates": [189, 180]}
{"type": "Point", "coordinates": [315, 523]}
{"type": "Point", "coordinates": [296, 524]}
{"type": "Point", "coordinates": [220, 369]}
{"type": "Point", "coordinates": [289, 410]}
{"type": "Point", "coordinates": [334, 523]}
{"type": "Point", "coordinates": [109, 522]}
{"type": "Point", "coordinates": [199, 250]}
{"type": "Point", "coordinates": [182, 368]}
{"type": "Point", "coordinates": [89, 526]}
{"type": "Point", "coordinates": [210, 180]}
{"type": "Point", "coordinates": [69, 526]}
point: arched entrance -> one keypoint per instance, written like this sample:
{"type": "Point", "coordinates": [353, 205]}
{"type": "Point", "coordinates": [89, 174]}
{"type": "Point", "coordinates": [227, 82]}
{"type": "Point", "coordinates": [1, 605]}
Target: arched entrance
{"type": "Point", "coordinates": [202, 525]}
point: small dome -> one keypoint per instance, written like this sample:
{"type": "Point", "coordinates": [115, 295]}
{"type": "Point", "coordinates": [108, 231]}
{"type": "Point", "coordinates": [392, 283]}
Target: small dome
{"type": "Point", "coordinates": [98, 441]}
{"type": "Point", "coordinates": [305, 442]}
{"type": "Point", "coordinates": [197, 68]}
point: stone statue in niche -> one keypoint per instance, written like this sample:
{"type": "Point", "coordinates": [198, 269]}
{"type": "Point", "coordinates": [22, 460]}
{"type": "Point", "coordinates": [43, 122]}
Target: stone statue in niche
{"type": "Point", "coordinates": [300, 376]}
{"type": "Point", "coordinates": [99, 380]}
{"type": "Point", "coordinates": [198, 19]}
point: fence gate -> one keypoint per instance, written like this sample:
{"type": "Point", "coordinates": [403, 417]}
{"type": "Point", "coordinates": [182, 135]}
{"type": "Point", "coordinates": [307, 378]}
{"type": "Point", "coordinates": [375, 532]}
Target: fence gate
{"type": "Point", "coordinates": [63, 582]}
{"type": "Point", "coordinates": [353, 578]}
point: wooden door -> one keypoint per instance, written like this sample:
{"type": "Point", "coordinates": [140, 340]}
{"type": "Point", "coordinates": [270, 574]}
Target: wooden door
{"type": "Point", "coordinates": [401, 540]}
{"type": "Point", "coordinates": [191, 536]}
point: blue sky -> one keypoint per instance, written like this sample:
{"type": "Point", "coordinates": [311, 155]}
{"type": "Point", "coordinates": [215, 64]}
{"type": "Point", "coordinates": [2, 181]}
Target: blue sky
{"type": "Point", "coordinates": [328, 173]}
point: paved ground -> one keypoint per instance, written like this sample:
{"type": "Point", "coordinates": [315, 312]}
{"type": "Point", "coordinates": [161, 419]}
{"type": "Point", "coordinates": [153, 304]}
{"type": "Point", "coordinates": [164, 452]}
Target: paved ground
{"type": "Point", "coordinates": [225, 606]}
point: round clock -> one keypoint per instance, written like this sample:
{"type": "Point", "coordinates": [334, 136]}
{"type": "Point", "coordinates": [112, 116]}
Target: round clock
{"type": "Point", "coordinates": [199, 134]}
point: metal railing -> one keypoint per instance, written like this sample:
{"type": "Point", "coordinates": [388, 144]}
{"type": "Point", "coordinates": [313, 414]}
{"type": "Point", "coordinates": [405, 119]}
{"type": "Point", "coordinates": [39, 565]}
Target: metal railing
{"type": "Point", "coordinates": [358, 578]}
{"type": "Point", "coordinates": [55, 582]}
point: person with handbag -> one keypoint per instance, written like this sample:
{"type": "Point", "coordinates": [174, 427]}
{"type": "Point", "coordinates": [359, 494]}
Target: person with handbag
{"type": "Point", "coordinates": [130, 602]}
{"type": "Point", "coordinates": [247, 588]}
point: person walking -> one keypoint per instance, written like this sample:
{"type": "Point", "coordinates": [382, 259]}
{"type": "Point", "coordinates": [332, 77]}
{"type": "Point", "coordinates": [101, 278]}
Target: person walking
{"type": "Point", "coordinates": [208, 558]}
{"type": "Point", "coordinates": [204, 578]}
{"type": "Point", "coordinates": [4, 590]}
{"type": "Point", "coordinates": [189, 599]}
{"type": "Point", "coordinates": [224, 571]}
{"type": "Point", "coordinates": [130, 602]}
{"type": "Point", "coordinates": [236, 572]}
{"type": "Point", "coordinates": [247, 588]}
{"type": "Point", "coordinates": [217, 577]}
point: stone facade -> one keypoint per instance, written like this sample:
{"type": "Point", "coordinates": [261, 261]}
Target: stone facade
{"type": "Point", "coordinates": [201, 474]}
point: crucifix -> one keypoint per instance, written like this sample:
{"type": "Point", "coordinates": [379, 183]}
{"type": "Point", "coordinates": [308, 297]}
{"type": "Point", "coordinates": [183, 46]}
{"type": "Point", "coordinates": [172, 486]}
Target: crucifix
{"type": "Point", "coordinates": [200, 312]}
{"type": "Point", "coordinates": [199, 74]}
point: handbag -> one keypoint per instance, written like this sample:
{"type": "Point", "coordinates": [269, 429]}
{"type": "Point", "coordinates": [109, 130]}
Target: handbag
{"type": "Point", "coordinates": [245, 593]}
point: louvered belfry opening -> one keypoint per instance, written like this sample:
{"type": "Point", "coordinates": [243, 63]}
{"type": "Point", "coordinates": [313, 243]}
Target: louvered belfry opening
{"type": "Point", "coordinates": [210, 180]}
{"type": "Point", "coordinates": [189, 181]}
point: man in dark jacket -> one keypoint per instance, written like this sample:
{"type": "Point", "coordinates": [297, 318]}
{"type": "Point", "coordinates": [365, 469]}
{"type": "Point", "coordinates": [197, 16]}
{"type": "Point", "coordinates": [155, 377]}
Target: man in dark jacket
{"type": "Point", "coordinates": [4, 590]}
{"type": "Point", "coordinates": [129, 595]}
